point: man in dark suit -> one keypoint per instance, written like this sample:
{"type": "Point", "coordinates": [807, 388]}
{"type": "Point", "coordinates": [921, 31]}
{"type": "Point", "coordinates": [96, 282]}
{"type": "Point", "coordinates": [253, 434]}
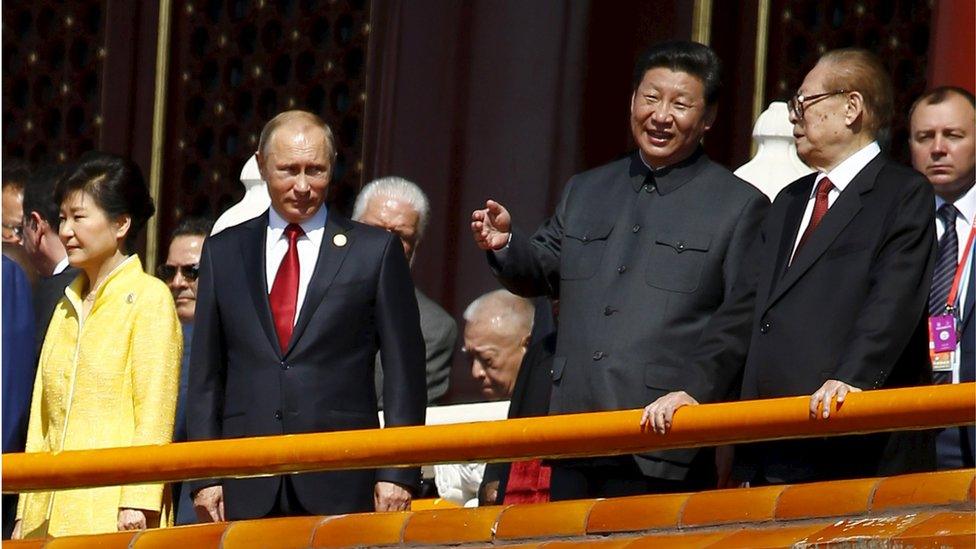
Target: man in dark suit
{"type": "Point", "coordinates": [291, 309]}
{"type": "Point", "coordinates": [401, 207]}
{"type": "Point", "coordinates": [943, 145]}
{"type": "Point", "coordinates": [641, 253]}
{"type": "Point", "coordinates": [19, 365]}
{"type": "Point", "coordinates": [843, 258]}
{"type": "Point", "coordinates": [43, 246]}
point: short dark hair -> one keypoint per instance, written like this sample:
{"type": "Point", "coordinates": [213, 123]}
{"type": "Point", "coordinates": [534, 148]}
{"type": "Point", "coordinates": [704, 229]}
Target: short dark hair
{"type": "Point", "coordinates": [940, 94]}
{"type": "Point", "coordinates": [115, 184]}
{"type": "Point", "coordinates": [15, 173]}
{"type": "Point", "coordinates": [193, 226]}
{"type": "Point", "coordinates": [39, 192]}
{"type": "Point", "coordinates": [693, 58]}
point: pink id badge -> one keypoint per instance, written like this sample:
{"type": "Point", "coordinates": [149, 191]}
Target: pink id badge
{"type": "Point", "coordinates": [943, 331]}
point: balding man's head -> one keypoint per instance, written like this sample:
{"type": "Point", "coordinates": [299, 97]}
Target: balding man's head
{"type": "Point", "coordinates": [296, 154]}
{"type": "Point", "coordinates": [496, 335]}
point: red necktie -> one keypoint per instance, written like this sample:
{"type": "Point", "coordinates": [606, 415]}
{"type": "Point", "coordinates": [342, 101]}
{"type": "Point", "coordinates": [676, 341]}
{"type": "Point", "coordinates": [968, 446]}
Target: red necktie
{"type": "Point", "coordinates": [820, 206]}
{"type": "Point", "coordinates": [284, 291]}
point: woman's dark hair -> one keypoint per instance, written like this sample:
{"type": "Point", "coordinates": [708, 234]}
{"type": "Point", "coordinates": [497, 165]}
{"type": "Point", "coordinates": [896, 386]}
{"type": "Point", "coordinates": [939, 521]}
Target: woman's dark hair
{"type": "Point", "coordinates": [115, 184]}
{"type": "Point", "coordinates": [693, 58]}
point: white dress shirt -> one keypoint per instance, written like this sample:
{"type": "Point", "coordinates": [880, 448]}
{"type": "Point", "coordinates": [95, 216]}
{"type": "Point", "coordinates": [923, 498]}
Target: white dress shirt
{"type": "Point", "coordinates": [966, 205]}
{"type": "Point", "coordinates": [276, 246]}
{"type": "Point", "coordinates": [841, 176]}
{"type": "Point", "coordinates": [61, 266]}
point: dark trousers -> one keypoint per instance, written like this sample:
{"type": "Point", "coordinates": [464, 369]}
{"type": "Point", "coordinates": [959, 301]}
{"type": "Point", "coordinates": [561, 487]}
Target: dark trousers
{"type": "Point", "coordinates": [9, 514]}
{"type": "Point", "coordinates": [614, 477]}
{"type": "Point", "coordinates": [287, 504]}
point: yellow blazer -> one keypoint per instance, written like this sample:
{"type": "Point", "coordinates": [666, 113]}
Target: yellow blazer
{"type": "Point", "coordinates": [113, 385]}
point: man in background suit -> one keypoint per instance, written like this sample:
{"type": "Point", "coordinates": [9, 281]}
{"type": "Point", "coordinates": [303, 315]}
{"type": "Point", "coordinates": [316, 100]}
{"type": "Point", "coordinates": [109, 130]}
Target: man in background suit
{"type": "Point", "coordinates": [291, 309]}
{"type": "Point", "coordinates": [19, 366]}
{"type": "Point", "coordinates": [180, 272]}
{"type": "Point", "coordinates": [400, 207]}
{"type": "Point", "coordinates": [43, 245]}
{"type": "Point", "coordinates": [641, 253]}
{"type": "Point", "coordinates": [943, 145]}
{"type": "Point", "coordinates": [842, 257]}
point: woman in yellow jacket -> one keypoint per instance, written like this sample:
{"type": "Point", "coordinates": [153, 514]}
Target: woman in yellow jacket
{"type": "Point", "coordinates": [109, 369]}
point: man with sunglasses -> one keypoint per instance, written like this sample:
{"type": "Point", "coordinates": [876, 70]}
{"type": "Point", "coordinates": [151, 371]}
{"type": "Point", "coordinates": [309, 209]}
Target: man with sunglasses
{"type": "Point", "coordinates": [844, 260]}
{"type": "Point", "coordinates": [180, 272]}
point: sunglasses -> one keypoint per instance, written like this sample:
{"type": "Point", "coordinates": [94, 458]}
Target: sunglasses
{"type": "Point", "coordinates": [168, 272]}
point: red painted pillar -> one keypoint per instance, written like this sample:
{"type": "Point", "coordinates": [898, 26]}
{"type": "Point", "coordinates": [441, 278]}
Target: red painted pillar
{"type": "Point", "coordinates": [952, 46]}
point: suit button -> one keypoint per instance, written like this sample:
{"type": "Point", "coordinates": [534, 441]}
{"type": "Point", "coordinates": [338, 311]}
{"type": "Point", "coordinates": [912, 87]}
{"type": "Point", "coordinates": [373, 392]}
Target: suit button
{"type": "Point", "coordinates": [608, 311]}
{"type": "Point", "coordinates": [649, 188]}
{"type": "Point", "coordinates": [585, 238]}
{"type": "Point", "coordinates": [598, 355]}
{"type": "Point", "coordinates": [636, 228]}
{"type": "Point", "coordinates": [283, 365]}
{"type": "Point", "coordinates": [278, 414]}
{"type": "Point", "coordinates": [621, 269]}
{"type": "Point", "coordinates": [681, 245]}
{"type": "Point", "coordinates": [764, 328]}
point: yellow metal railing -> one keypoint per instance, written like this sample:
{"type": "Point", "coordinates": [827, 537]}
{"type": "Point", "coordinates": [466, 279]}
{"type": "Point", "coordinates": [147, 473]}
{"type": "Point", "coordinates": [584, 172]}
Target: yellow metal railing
{"type": "Point", "coordinates": [592, 434]}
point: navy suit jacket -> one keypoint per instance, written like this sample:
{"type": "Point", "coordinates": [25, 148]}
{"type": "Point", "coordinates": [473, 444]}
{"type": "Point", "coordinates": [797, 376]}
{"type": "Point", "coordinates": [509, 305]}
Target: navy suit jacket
{"type": "Point", "coordinates": [19, 360]}
{"type": "Point", "coordinates": [360, 300]}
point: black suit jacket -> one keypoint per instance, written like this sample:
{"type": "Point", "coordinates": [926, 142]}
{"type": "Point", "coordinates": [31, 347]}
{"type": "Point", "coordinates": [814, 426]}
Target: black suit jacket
{"type": "Point", "coordinates": [640, 265]}
{"type": "Point", "coordinates": [360, 299]}
{"type": "Point", "coordinates": [851, 307]}
{"type": "Point", "coordinates": [49, 291]}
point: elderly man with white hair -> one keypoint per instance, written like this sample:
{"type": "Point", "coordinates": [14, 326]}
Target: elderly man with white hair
{"type": "Point", "coordinates": [400, 207]}
{"type": "Point", "coordinates": [497, 330]}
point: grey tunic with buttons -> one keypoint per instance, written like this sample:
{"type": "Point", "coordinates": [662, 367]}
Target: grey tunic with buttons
{"type": "Point", "coordinates": [641, 262]}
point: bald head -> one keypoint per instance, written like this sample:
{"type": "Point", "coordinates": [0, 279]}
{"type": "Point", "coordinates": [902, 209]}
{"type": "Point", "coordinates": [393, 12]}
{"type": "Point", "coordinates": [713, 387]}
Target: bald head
{"type": "Point", "coordinates": [496, 336]}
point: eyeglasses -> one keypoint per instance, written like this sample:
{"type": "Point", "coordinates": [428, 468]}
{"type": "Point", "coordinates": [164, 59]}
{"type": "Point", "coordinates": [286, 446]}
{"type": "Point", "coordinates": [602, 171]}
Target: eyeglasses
{"type": "Point", "coordinates": [13, 231]}
{"type": "Point", "coordinates": [799, 102]}
{"type": "Point", "coordinates": [168, 272]}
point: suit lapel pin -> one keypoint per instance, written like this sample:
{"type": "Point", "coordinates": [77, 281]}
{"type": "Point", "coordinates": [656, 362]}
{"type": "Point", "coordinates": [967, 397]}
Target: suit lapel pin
{"type": "Point", "coordinates": [340, 240]}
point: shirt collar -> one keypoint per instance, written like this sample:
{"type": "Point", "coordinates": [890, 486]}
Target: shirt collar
{"type": "Point", "coordinates": [61, 266]}
{"type": "Point", "coordinates": [965, 204]}
{"type": "Point", "coordinates": [313, 226]}
{"type": "Point", "coordinates": [669, 178]}
{"type": "Point", "coordinates": [845, 172]}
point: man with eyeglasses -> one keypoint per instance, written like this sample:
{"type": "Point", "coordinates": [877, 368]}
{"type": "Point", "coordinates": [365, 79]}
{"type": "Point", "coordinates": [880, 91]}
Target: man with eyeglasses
{"type": "Point", "coordinates": [844, 258]}
{"type": "Point", "coordinates": [14, 177]}
{"type": "Point", "coordinates": [179, 272]}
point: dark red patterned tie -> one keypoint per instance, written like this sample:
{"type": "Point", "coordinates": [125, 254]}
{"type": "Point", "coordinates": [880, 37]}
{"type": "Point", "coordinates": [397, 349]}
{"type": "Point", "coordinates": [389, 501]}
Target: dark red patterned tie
{"type": "Point", "coordinates": [820, 206]}
{"type": "Point", "coordinates": [284, 291]}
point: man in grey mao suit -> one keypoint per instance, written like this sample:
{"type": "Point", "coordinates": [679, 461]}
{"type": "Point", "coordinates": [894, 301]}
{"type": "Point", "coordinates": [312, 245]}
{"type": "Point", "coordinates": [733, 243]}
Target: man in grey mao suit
{"type": "Point", "coordinates": [641, 253]}
{"type": "Point", "coordinates": [401, 207]}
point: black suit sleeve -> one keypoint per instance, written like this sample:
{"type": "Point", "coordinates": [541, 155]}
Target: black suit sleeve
{"type": "Point", "coordinates": [402, 349]}
{"type": "Point", "coordinates": [721, 353]}
{"type": "Point", "coordinates": [208, 365]}
{"type": "Point", "coordinates": [900, 276]}
{"type": "Point", "coordinates": [530, 267]}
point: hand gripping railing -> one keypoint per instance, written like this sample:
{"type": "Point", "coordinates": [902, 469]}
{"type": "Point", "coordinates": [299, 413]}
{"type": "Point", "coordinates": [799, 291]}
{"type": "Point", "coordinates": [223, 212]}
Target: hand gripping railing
{"type": "Point", "coordinates": [592, 434]}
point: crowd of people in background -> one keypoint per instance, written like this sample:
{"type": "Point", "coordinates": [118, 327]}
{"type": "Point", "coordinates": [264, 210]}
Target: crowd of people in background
{"type": "Point", "coordinates": [660, 281]}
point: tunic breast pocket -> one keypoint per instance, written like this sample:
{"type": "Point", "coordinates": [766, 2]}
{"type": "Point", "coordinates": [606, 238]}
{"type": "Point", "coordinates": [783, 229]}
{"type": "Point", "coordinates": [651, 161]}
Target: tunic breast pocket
{"type": "Point", "coordinates": [583, 248]}
{"type": "Point", "coordinates": [676, 260]}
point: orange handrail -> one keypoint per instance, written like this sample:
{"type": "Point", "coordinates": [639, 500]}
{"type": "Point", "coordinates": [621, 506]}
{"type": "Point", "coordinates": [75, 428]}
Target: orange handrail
{"type": "Point", "coordinates": [592, 434]}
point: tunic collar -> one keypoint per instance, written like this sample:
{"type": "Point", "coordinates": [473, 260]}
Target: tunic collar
{"type": "Point", "coordinates": [667, 178]}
